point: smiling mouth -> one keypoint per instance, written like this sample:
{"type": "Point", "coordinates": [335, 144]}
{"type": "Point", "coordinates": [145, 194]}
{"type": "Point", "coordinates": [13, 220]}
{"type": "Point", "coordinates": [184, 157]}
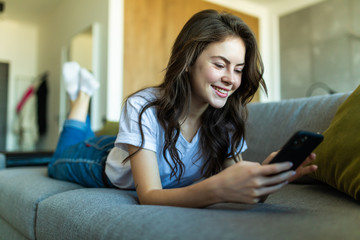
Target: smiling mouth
{"type": "Point", "coordinates": [220, 92]}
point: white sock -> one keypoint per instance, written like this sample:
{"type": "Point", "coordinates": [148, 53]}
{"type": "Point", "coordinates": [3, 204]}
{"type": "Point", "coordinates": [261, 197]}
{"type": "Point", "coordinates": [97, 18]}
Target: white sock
{"type": "Point", "coordinates": [71, 72]}
{"type": "Point", "coordinates": [88, 83]}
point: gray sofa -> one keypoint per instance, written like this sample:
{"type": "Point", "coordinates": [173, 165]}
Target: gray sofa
{"type": "Point", "coordinates": [33, 206]}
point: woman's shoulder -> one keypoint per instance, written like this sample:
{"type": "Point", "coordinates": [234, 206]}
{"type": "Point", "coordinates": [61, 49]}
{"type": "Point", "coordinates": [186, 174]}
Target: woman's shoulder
{"type": "Point", "coordinates": [141, 98]}
{"type": "Point", "coordinates": [145, 95]}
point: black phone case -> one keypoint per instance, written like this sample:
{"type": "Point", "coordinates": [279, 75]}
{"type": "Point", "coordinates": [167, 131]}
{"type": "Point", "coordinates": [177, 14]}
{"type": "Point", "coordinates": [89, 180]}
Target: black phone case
{"type": "Point", "coordinates": [298, 148]}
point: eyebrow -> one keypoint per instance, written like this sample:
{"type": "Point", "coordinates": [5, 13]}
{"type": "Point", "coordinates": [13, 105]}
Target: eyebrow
{"type": "Point", "coordinates": [227, 60]}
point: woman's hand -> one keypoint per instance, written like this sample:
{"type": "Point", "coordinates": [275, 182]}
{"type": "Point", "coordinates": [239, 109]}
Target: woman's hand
{"type": "Point", "coordinates": [305, 168]}
{"type": "Point", "coordinates": [249, 182]}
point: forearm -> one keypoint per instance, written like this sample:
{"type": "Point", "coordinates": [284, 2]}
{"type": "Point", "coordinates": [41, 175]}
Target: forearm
{"type": "Point", "coordinates": [146, 176]}
{"type": "Point", "coordinates": [201, 194]}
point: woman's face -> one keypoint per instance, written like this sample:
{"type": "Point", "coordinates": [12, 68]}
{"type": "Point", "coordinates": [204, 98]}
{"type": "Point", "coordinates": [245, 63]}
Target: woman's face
{"type": "Point", "coordinates": [217, 72]}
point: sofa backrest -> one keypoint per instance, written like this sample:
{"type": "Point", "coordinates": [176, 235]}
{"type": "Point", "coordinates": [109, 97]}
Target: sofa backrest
{"type": "Point", "coordinates": [270, 125]}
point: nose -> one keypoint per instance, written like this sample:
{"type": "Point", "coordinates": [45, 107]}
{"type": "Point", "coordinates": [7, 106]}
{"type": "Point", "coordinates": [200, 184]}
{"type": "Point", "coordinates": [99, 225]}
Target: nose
{"type": "Point", "coordinates": [228, 78]}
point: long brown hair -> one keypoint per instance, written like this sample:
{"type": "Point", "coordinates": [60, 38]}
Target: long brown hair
{"type": "Point", "coordinates": [203, 28]}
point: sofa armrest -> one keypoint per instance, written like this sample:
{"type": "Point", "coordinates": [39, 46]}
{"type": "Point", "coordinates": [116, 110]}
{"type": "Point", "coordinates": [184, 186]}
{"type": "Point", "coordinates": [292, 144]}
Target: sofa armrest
{"type": "Point", "coordinates": [17, 159]}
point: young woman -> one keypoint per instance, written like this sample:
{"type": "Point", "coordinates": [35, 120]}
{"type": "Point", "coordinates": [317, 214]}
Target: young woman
{"type": "Point", "coordinates": [179, 143]}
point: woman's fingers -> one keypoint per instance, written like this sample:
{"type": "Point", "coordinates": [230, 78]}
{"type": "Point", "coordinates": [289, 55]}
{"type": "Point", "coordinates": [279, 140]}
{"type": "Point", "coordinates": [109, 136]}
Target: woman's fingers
{"type": "Point", "coordinates": [267, 178]}
{"type": "Point", "coordinates": [276, 168]}
{"type": "Point", "coordinates": [271, 189]}
{"type": "Point", "coordinates": [250, 182]}
{"type": "Point", "coordinates": [308, 160]}
{"type": "Point", "coordinates": [302, 171]}
{"type": "Point", "coordinates": [271, 179]}
{"type": "Point", "coordinates": [269, 158]}
{"type": "Point", "coordinates": [305, 168]}
{"type": "Point", "coordinates": [278, 178]}
{"type": "Point", "coordinates": [259, 194]}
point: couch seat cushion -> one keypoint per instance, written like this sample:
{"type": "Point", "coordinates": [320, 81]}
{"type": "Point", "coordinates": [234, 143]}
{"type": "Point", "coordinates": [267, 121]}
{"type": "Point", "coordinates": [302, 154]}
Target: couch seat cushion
{"type": "Point", "coordinates": [21, 190]}
{"type": "Point", "coordinates": [295, 212]}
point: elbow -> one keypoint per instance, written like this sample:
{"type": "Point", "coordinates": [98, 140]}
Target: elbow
{"type": "Point", "coordinates": [147, 198]}
{"type": "Point", "coordinates": [143, 201]}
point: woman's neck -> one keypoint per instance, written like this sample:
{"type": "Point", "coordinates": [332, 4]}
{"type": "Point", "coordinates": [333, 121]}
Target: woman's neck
{"type": "Point", "coordinates": [190, 124]}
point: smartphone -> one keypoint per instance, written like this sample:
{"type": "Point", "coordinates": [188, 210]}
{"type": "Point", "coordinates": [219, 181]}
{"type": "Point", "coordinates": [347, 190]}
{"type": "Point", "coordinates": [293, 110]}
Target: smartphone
{"type": "Point", "coordinates": [298, 148]}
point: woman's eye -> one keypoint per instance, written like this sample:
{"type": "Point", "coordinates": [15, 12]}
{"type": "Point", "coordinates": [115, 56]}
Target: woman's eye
{"type": "Point", "coordinates": [219, 65]}
{"type": "Point", "coordinates": [238, 70]}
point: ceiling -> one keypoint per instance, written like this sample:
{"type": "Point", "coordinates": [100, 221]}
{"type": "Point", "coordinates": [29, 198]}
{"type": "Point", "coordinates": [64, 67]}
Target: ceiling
{"type": "Point", "coordinates": [25, 9]}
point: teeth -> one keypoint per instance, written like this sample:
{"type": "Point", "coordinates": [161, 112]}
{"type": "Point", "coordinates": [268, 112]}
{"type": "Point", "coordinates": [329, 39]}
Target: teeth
{"type": "Point", "coordinates": [220, 90]}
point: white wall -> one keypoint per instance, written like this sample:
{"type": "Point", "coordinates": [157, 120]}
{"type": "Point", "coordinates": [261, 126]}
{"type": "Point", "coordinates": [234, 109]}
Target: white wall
{"type": "Point", "coordinates": [18, 47]}
{"type": "Point", "coordinates": [56, 30]}
{"type": "Point", "coordinates": [81, 50]}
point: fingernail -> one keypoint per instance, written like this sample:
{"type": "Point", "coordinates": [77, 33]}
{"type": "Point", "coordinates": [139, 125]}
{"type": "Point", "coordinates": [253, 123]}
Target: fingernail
{"type": "Point", "coordinates": [293, 172]}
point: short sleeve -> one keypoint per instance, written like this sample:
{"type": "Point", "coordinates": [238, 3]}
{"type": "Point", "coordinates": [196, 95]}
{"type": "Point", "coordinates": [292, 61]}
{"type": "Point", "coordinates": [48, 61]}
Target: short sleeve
{"type": "Point", "coordinates": [129, 130]}
{"type": "Point", "coordinates": [240, 149]}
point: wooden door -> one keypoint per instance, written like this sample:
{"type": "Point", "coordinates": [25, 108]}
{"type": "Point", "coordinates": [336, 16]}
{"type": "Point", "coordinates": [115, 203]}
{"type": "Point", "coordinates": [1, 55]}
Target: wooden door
{"type": "Point", "coordinates": [151, 27]}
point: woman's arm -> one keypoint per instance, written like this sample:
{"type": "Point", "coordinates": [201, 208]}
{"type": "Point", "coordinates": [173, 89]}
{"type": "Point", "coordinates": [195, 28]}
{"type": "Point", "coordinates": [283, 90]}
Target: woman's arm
{"type": "Point", "coordinates": [229, 162]}
{"type": "Point", "coordinates": [243, 182]}
{"type": "Point", "coordinates": [146, 176]}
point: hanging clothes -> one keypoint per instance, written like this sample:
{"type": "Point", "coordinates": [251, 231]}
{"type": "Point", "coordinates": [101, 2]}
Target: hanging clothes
{"type": "Point", "coordinates": [31, 112]}
{"type": "Point", "coordinates": [41, 94]}
{"type": "Point", "coordinates": [28, 93]}
{"type": "Point", "coordinates": [25, 124]}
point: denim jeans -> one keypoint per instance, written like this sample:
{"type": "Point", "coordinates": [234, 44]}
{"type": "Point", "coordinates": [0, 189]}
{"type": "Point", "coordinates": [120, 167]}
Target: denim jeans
{"type": "Point", "coordinates": [80, 156]}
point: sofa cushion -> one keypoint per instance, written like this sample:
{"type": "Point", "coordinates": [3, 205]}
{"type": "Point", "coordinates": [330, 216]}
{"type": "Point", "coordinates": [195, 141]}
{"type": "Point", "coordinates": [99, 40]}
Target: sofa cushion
{"type": "Point", "coordinates": [86, 212]}
{"type": "Point", "coordinates": [8, 232]}
{"type": "Point", "coordinates": [21, 190]}
{"type": "Point", "coordinates": [271, 124]}
{"type": "Point", "coordinates": [298, 211]}
{"type": "Point", "coordinates": [109, 128]}
{"type": "Point", "coordinates": [338, 156]}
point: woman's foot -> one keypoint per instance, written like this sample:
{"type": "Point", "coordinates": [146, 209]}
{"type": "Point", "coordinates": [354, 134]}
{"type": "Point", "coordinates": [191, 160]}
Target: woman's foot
{"type": "Point", "coordinates": [71, 75]}
{"type": "Point", "coordinates": [88, 83]}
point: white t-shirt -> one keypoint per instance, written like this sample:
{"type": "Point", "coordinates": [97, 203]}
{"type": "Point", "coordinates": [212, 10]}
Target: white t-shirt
{"type": "Point", "coordinates": [154, 137]}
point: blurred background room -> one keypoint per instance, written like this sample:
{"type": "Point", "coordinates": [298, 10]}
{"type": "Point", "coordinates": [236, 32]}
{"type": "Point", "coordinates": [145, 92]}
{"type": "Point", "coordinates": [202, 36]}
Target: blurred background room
{"type": "Point", "coordinates": [309, 47]}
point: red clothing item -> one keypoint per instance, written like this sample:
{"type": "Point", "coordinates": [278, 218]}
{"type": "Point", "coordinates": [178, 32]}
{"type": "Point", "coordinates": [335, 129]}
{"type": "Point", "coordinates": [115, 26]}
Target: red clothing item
{"type": "Point", "coordinates": [26, 96]}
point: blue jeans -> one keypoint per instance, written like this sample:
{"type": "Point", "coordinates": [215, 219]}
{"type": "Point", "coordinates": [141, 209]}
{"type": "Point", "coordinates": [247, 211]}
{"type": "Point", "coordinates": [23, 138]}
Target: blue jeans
{"type": "Point", "coordinates": [80, 156]}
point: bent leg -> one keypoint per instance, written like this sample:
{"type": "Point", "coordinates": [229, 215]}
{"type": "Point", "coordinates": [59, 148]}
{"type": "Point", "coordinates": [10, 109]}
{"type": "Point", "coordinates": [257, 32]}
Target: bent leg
{"type": "Point", "coordinates": [73, 132]}
{"type": "Point", "coordinates": [75, 159]}
{"type": "Point", "coordinates": [77, 127]}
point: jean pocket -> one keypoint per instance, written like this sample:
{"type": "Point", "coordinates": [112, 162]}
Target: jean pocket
{"type": "Point", "coordinates": [101, 143]}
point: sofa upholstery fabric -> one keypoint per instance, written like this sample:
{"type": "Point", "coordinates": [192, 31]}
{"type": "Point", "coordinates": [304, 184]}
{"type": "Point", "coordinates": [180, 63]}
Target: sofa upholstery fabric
{"type": "Point", "coordinates": [270, 125]}
{"type": "Point", "coordinates": [22, 189]}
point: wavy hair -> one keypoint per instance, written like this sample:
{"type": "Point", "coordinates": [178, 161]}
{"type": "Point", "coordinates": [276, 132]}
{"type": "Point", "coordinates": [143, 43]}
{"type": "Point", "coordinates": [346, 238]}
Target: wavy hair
{"type": "Point", "coordinates": [174, 102]}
